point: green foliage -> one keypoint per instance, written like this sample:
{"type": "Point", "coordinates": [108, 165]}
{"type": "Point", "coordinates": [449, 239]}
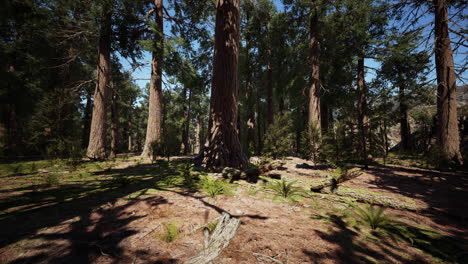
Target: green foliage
{"type": "Point", "coordinates": [286, 189]}
{"type": "Point", "coordinates": [310, 143]}
{"type": "Point", "coordinates": [373, 216]}
{"type": "Point", "coordinates": [279, 138]}
{"type": "Point", "coordinates": [437, 158]}
{"type": "Point", "coordinates": [213, 188]}
{"type": "Point", "coordinates": [52, 179]}
{"type": "Point", "coordinates": [211, 226]}
{"type": "Point", "coordinates": [120, 181]}
{"type": "Point", "coordinates": [172, 231]}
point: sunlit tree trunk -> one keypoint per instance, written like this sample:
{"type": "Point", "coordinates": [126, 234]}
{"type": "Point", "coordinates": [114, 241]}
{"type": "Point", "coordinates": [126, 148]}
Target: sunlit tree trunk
{"type": "Point", "coordinates": [114, 125]}
{"type": "Point", "coordinates": [363, 121]}
{"type": "Point", "coordinates": [222, 147]}
{"type": "Point", "coordinates": [314, 60]}
{"type": "Point", "coordinates": [97, 137]}
{"type": "Point", "coordinates": [447, 125]}
{"type": "Point", "coordinates": [153, 130]}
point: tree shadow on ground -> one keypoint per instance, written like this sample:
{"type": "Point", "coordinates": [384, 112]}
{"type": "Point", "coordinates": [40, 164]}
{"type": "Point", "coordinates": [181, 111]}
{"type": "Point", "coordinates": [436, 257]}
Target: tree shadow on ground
{"type": "Point", "coordinates": [444, 193]}
{"type": "Point", "coordinates": [353, 248]}
{"type": "Point", "coordinates": [73, 206]}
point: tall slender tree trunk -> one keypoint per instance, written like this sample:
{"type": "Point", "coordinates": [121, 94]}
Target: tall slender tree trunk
{"type": "Point", "coordinates": [249, 89]}
{"type": "Point", "coordinates": [186, 125]}
{"type": "Point", "coordinates": [197, 147]}
{"type": "Point", "coordinates": [222, 147]}
{"type": "Point", "coordinates": [325, 116]}
{"type": "Point", "coordinates": [87, 120]}
{"type": "Point", "coordinates": [114, 125]}
{"type": "Point", "coordinates": [405, 132]}
{"type": "Point", "coordinates": [269, 85]}
{"type": "Point", "coordinates": [447, 125]}
{"type": "Point", "coordinates": [314, 60]}
{"type": "Point", "coordinates": [97, 137]}
{"type": "Point", "coordinates": [153, 130]}
{"type": "Point", "coordinates": [363, 121]}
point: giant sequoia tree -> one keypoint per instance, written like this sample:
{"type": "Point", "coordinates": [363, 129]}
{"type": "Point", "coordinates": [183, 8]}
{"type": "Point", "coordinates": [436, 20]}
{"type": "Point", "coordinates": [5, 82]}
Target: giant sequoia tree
{"type": "Point", "coordinates": [153, 131]}
{"type": "Point", "coordinates": [97, 137]}
{"type": "Point", "coordinates": [447, 126]}
{"type": "Point", "coordinates": [222, 147]}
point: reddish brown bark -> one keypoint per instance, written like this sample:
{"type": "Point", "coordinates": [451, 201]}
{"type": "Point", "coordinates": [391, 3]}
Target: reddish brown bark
{"type": "Point", "coordinates": [153, 130]}
{"type": "Point", "coordinates": [314, 60]}
{"type": "Point", "coordinates": [447, 126]}
{"type": "Point", "coordinates": [97, 137]}
{"type": "Point", "coordinates": [222, 147]}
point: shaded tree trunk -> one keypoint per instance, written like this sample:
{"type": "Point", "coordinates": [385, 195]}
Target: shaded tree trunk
{"type": "Point", "coordinates": [325, 116]}
{"type": "Point", "coordinates": [447, 126]}
{"type": "Point", "coordinates": [222, 147]}
{"type": "Point", "coordinates": [405, 132]}
{"type": "Point", "coordinates": [87, 120]}
{"type": "Point", "coordinates": [269, 85]}
{"type": "Point", "coordinates": [97, 137]}
{"type": "Point", "coordinates": [314, 60]}
{"type": "Point", "coordinates": [363, 121]}
{"type": "Point", "coordinates": [153, 130]}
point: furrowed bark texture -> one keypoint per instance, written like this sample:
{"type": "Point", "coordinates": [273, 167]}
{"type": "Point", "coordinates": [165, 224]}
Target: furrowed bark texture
{"type": "Point", "coordinates": [314, 89]}
{"type": "Point", "coordinates": [97, 137]}
{"type": "Point", "coordinates": [153, 130]}
{"type": "Point", "coordinates": [222, 147]}
{"type": "Point", "coordinates": [447, 126]}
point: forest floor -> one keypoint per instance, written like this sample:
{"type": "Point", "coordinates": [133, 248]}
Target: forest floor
{"type": "Point", "coordinates": [132, 211]}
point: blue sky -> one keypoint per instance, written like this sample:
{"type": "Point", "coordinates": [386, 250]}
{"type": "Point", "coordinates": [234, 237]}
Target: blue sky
{"type": "Point", "coordinates": [145, 71]}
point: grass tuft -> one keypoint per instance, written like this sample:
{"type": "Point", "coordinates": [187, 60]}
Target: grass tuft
{"type": "Point", "coordinates": [172, 231]}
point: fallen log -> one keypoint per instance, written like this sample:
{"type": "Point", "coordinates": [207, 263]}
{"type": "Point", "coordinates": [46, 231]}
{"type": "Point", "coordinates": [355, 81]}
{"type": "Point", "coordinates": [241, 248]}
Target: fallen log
{"type": "Point", "coordinates": [252, 174]}
{"type": "Point", "coordinates": [400, 203]}
{"type": "Point", "coordinates": [215, 242]}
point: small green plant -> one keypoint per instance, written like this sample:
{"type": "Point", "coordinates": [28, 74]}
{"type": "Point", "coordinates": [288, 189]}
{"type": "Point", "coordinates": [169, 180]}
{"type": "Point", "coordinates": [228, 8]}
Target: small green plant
{"type": "Point", "coordinates": [373, 216]}
{"type": "Point", "coordinates": [214, 187]}
{"type": "Point", "coordinates": [121, 181]}
{"type": "Point", "coordinates": [52, 179]}
{"type": "Point", "coordinates": [33, 167]}
{"type": "Point", "coordinates": [211, 226]}
{"type": "Point", "coordinates": [279, 138]}
{"type": "Point", "coordinates": [286, 189]}
{"type": "Point", "coordinates": [172, 231]}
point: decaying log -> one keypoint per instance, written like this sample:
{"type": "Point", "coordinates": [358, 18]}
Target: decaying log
{"type": "Point", "coordinates": [400, 203]}
{"type": "Point", "coordinates": [218, 240]}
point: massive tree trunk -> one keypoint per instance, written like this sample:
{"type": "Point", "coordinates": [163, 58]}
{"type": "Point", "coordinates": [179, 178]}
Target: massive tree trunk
{"type": "Point", "coordinates": [153, 130]}
{"type": "Point", "coordinates": [222, 147]}
{"type": "Point", "coordinates": [447, 125]}
{"type": "Point", "coordinates": [314, 60]}
{"type": "Point", "coordinates": [363, 121]}
{"type": "Point", "coordinates": [97, 136]}
{"type": "Point", "coordinates": [405, 132]}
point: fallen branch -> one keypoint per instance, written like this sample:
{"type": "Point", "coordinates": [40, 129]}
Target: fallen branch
{"type": "Point", "coordinates": [219, 239]}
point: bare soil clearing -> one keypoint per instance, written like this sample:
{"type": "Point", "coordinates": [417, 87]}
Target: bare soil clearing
{"type": "Point", "coordinates": [100, 218]}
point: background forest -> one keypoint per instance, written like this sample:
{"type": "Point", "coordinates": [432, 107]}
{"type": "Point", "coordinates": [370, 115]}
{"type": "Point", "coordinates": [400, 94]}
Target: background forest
{"type": "Point", "coordinates": [337, 81]}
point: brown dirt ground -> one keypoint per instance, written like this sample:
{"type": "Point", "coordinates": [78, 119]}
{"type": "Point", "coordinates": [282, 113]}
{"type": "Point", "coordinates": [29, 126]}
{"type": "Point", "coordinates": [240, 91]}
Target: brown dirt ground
{"type": "Point", "coordinates": [124, 230]}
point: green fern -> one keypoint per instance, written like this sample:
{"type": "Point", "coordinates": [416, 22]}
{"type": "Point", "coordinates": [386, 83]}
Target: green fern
{"type": "Point", "coordinates": [285, 189]}
{"type": "Point", "coordinates": [373, 216]}
{"type": "Point", "coordinates": [172, 231]}
{"type": "Point", "coordinates": [213, 187]}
